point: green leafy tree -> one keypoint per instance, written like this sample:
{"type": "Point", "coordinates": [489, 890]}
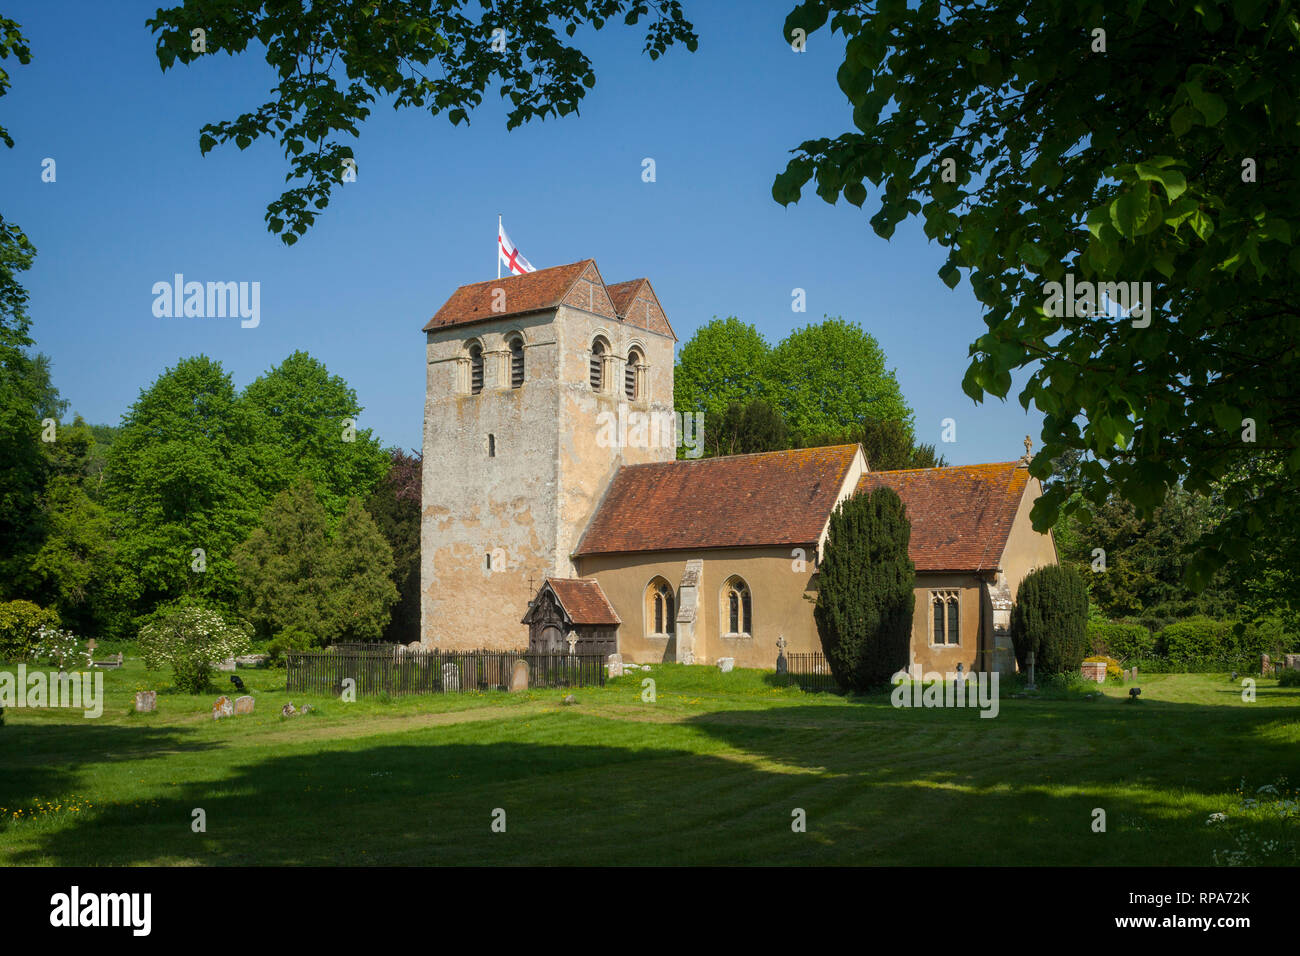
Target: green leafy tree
{"type": "Point", "coordinates": [864, 592]}
{"type": "Point", "coordinates": [28, 399]}
{"type": "Point", "coordinates": [828, 377]}
{"type": "Point", "coordinates": [284, 565]}
{"type": "Point", "coordinates": [16, 251]}
{"type": "Point", "coordinates": [184, 475]}
{"type": "Point", "coordinates": [361, 568]}
{"type": "Point", "coordinates": [305, 420]}
{"type": "Point", "coordinates": [333, 58]}
{"type": "Point", "coordinates": [395, 506]}
{"type": "Point", "coordinates": [888, 444]}
{"type": "Point", "coordinates": [724, 363]}
{"type": "Point", "coordinates": [297, 576]}
{"type": "Point", "coordinates": [1033, 149]}
{"type": "Point", "coordinates": [754, 426]}
{"type": "Point", "coordinates": [1050, 620]}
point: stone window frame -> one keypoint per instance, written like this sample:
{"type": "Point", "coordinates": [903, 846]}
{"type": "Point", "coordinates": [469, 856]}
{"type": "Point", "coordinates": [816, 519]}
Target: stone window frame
{"type": "Point", "coordinates": [653, 590]}
{"type": "Point", "coordinates": [949, 599]}
{"type": "Point", "coordinates": [598, 364]}
{"type": "Point", "coordinates": [744, 609]}
{"type": "Point", "coordinates": [466, 363]}
{"type": "Point", "coordinates": [512, 337]}
{"type": "Point", "coordinates": [634, 372]}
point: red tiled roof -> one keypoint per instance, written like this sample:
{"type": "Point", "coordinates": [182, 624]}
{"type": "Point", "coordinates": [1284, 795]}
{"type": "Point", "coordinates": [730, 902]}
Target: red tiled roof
{"type": "Point", "coordinates": [531, 292]}
{"type": "Point", "coordinates": [622, 294]}
{"type": "Point", "coordinates": [960, 516]}
{"type": "Point", "coordinates": [583, 600]}
{"type": "Point", "coordinates": [776, 498]}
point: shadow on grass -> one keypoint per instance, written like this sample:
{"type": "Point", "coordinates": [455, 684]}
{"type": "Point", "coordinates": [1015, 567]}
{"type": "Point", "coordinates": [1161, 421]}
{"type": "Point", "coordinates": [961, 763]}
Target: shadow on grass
{"type": "Point", "coordinates": [40, 760]}
{"type": "Point", "coordinates": [878, 785]}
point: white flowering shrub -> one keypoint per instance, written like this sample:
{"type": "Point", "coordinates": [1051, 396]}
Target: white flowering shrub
{"type": "Point", "coordinates": [58, 647]}
{"type": "Point", "coordinates": [191, 640]}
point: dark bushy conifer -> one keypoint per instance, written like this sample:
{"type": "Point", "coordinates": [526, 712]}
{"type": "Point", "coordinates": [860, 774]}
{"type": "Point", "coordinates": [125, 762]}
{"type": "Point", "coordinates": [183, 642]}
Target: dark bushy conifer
{"type": "Point", "coordinates": [1050, 618]}
{"type": "Point", "coordinates": [865, 598]}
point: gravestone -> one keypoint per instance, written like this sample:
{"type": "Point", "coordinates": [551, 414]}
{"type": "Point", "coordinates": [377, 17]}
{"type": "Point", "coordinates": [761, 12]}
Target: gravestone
{"type": "Point", "coordinates": [569, 699]}
{"type": "Point", "coordinates": [519, 677]}
{"type": "Point", "coordinates": [288, 710]}
{"type": "Point", "coordinates": [450, 678]}
{"type": "Point", "coordinates": [781, 664]}
{"type": "Point", "coordinates": [725, 664]}
{"type": "Point", "coordinates": [222, 708]}
{"type": "Point", "coordinates": [1293, 662]}
{"type": "Point", "coordinates": [227, 665]}
{"type": "Point", "coordinates": [244, 705]}
{"type": "Point", "coordinates": [146, 701]}
{"type": "Point", "coordinates": [1265, 665]}
{"type": "Point", "coordinates": [615, 663]}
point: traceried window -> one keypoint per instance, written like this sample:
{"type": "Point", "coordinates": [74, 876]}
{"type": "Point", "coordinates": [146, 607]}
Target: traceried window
{"type": "Point", "coordinates": [661, 609]}
{"type": "Point", "coordinates": [945, 617]}
{"type": "Point", "coordinates": [599, 348]}
{"type": "Point", "coordinates": [516, 361]}
{"type": "Point", "coordinates": [630, 372]}
{"type": "Point", "coordinates": [475, 368]}
{"type": "Point", "coordinates": [737, 608]}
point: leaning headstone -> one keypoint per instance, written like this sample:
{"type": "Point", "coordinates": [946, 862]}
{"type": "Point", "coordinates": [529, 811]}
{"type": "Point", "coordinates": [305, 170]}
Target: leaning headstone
{"type": "Point", "coordinates": [146, 701]}
{"type": "Point", "coordinates": [519, 677]}
{"type": "Point", "coordinates": [615, 662]}
{"type": "Point", "coordinates": [244, 705]}
{"type": "Point", "coordinates": [222, 708]}
{"type": "Point", "coordinates": [725, 664]}
{"type": "Point", "coordinates": [450, 678]}
{"type": "Point", "coordinates": [288, 710]}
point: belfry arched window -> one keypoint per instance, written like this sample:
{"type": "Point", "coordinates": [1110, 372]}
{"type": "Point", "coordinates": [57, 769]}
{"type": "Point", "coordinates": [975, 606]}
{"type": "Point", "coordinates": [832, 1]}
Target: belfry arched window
{"type": "Point", "coordinates": [516, 361]}
{"type": "Point", "coordinates": [737, 608]}
{"type": "Point", "coordinates": [599, 349]}
{"type": "Point", "coordinates": [631, 372]}
{"type": "Point", "coordinates": [475, 368]}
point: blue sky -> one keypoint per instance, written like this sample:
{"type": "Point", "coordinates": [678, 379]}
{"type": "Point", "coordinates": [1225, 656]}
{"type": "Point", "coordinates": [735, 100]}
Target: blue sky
{"type": "Point", "coordinates": [134, 203]}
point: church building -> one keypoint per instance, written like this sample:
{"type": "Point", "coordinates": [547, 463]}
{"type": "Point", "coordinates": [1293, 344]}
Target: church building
{"type": "Point", "coordinates": [553, 501]}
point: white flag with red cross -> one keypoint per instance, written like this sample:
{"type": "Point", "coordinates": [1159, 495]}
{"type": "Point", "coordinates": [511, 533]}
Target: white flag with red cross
{"type": "Point", "coordinates": [507, 253]}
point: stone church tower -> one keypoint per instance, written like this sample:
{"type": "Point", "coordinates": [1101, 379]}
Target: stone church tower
{"type": "Point", "coordinates": [535, 388]}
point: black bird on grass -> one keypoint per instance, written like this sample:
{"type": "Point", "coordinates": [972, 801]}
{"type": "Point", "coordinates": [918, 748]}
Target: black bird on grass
{"type": "Point", "coordinates": [239, 684]}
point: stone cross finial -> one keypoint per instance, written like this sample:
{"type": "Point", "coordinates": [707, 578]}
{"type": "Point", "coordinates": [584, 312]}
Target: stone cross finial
{"type": "Point", "coordinates": [1029, 443]}
{"type": "Point", "coordinates": [573, 642]}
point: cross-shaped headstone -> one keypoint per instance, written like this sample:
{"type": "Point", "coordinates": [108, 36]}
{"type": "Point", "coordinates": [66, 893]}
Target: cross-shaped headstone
{"type": "Point", "coordinates": [781, 645]}
{"type": "Point", "coordinates": [573, 642]}
{"type": "Point", "coordinates": [1031, 671]}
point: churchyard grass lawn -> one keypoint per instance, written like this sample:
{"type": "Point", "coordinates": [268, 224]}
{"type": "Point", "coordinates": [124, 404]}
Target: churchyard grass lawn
{"type": "Point", "coordinates": [707, 774]}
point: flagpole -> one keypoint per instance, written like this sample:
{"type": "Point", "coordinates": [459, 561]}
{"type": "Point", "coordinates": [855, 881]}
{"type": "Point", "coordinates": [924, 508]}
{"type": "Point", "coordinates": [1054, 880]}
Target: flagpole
{"type": "Point", "coordinates": [498, 246]}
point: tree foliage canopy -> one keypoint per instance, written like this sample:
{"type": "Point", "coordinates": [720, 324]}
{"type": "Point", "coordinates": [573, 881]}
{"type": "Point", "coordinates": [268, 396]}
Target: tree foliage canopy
{"type": "Point", "coordinates": [1150, 142]}
{"type": "Point", "coordinates": [335, 58]}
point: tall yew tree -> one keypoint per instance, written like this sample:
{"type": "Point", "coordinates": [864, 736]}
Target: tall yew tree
{"type": "Point", "coordinates": [1152, 141]}
{"type": "Point", "coordinates": [864, 597]}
